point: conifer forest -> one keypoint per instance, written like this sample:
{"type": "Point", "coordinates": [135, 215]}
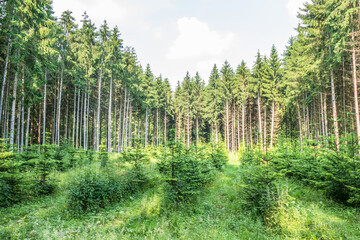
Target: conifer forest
{"type": "Point", "coordinates": [93, 145]}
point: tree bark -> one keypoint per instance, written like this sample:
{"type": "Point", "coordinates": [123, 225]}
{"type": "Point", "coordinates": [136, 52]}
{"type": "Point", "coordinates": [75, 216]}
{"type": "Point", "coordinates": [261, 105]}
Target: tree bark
{"type": "Point", "coordinates": [27, 128]}
{"type": "Point", "coordinates": [98, 110]}
{"type": "Point", "coordinates": [356, 98]}
{"type": "Point", "coordinates": [272, 123]}
{"type": "Point", "coordinates": [13, 108]}
{"type": "Point", "coordinates": [259, 116]}
{"type": "Point", "coordinates": [333, 98]}
{"type": "Point", "coordinates": [59, 107]}
{"type": "Point", "coordinates": [109, 115]}
{"type": "Point", "coordinates": [4, 77]}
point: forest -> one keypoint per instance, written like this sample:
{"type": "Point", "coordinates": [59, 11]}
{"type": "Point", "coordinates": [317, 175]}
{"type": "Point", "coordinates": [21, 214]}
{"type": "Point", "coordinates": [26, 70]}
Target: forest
{"type": "Point", "coordinates": [94, 145]}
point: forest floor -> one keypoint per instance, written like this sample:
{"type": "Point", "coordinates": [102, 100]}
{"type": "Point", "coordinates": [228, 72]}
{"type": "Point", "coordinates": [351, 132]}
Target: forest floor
{"type": "Point", "coordinates": [216, 214]}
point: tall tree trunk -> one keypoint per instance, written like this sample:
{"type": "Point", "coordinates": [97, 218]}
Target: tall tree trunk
{"type": "Point", "coordinates": [146, 126]}
{"type": "Point", "coordinates": [27, 128]}
{"type": "Point", "coordinates": [22, 115]}
{"type": "Point", "coordinates": [336, 127]}
{"type": "Point", "coordinates": [356, 96]}
{"type": "Point", "coordinates": [243, 122]}
{"type": "Point", "coordinates": [77, 119]}
{"type": "Point", "coordinates": [265, 128]}
{"type": "Point", "coordinates": [124, 121]}
{"type": "Point", "coordinates": [259, 116]}
{"type": "Point", "coordinates": [74, 119]}
{"type": "Point", "coordinates": [233, 129]}
{"type": "Point", "coordinates": [197, 129]}
{"type": "Point", "coordinates": [109, 115]}
{"type": "Point", "coordinates": [18, 127]}
{"type": "Point", "coordinates": [188, 126]}
{"type": "Point", "coordinates": [272, 123]}
{"type": "Point", "coordinates": [227, 126]}
{"type": "Point", "coordinates": [98, 111]}
{"type": "Point", "coordinates": [13, 111]}
{"type": "Point", "coordinates": [165, 129]}
{"type": "Point", "coordinates": [238, 129]}
{"type": "Point", "coordinates": [300, 125]}
{"type": "Point", "coordinates": [82, 110]}
{"type": "Point", "coordinates": [119, 128]}
{"type": "Point", "coordinates": [4, 76]}
{"type": "Point", "coordinates": [59, 107]}
{"type": "Point", "coordinates": [66, 119]}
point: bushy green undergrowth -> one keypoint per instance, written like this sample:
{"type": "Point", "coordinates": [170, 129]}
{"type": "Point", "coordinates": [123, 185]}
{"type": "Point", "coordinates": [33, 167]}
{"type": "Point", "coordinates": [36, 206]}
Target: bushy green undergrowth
{"type": "Point", "coordinates": [337, 173]}
{"type": "Point", "coordinates": [186, 171]}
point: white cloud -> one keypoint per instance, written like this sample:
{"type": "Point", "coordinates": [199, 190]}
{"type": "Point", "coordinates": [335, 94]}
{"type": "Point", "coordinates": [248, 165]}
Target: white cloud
{"type": "Point", "coordinates": [195, 39]}
{"type": "Point", "coordinates": [293, 7]}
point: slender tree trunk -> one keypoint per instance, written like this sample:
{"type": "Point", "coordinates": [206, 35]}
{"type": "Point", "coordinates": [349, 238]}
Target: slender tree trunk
{"type": "Point", "coordinates": [74, 118]}
{"type": "Point", "coordinates": [119, 128]}
{"type": "Point", "coordinates": [233, 129]}
{"type": "Point", "coordinates": [188, 126]}
{"type": "Point", "coordinates": [238, 128]}
{"type": "Point", "coordinates": [216, 133]}
{"type": "Point", "coordinates": [250, 126]}
{"type": "Point", "coordinates": [243, 122]}
{"type": "Point", "coordinates": [82, 110]}
{"type": "Point", "coordinates": [265, 128]}
{"type": "Point", "coordinates": [300, 125]}
{"type": "Point", "coordinates": [146, 126]}
{"type": "Point", "coordinates": [18, 127]}
{"type": "Point", "coordinates": [59, 107]}
{"type": "Point", "coordinates": [356, 98]}
{"type": "Point", "coordinates": [109, 115]}
{"type": "Point", "coordinates": [27, 128]}
{"type": "Point", "coordinates": [272, 123]}
{"type": "Point", "coordinates": [227, 126]}
{"type": "Point", "coordinates": [66, 119]}
{"type": "Point", "coordinates": [13, 111]}
{"type": "Point", "coordinates": [22, 116]}
{"type": "Point", "coordinates": [124, 121]}
{"type": "Point", "coordinates": [197, 129]}
{"type": "Point", "coordinates": [336, 127]}
{"type": "Point", "coordinates": [77, 119]}
{"type": "Point", "coordinates": [165, 130]}
{"type": "Point", "coordinates": [259, 116]}
{"type": "Point", "coordinates": [4, 76]}
{"type": "Point", "coordinates": [98, 111]}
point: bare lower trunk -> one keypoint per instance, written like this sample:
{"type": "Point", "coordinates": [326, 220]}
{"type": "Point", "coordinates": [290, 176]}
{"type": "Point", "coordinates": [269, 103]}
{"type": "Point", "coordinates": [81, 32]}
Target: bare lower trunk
{"type": "Point", "coordinates": [272, 123]}
{"type": "Point", "coordinates": [243, 122]}
{"type": "Point", "coordinates": [109, 116]}
{"type": "Point", "coordinates": [13, 112]}
{"type": "Point", "coordinates": [27, 128]}
{"type": "Point", "coordinates": [59, 107]}
{"type": "Point", "coordinates": [4, 76]}
{"type": "Point", "coordinates": [356, 99]}
{"type": "Point", "coordinates": [336, 127]}
{"type": "Point", "coordinates": [97, 143]}
{"type": "Point", "coordinates": [259, 116]}
{"type": "Point", "coordinates": [146, 126]}
{"type": "Point", "coordinates": [300, 125]}
{"type": "Point", "coordinates": [74, 118]}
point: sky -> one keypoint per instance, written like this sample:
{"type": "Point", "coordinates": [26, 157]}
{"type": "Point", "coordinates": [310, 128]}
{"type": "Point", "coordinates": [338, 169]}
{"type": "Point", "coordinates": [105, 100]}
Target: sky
{"type": "Point", "coordinates": [176, 36]}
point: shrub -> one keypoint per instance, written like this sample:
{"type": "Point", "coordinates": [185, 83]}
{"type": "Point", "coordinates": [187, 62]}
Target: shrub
{"type": "Point", "coordinates": [185, 172]}
{"type": "Point", "coordinates": [259, 191]}
{"type": "Point", "coordinates": [218, 157]}
{"type": "Point", "coordinates": [91, 190]}
{"type": "Point", "coordinates": [11, 179]}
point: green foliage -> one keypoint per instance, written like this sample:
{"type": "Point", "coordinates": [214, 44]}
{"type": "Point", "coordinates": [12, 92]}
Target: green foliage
{"type": "Point", "coordinates": [259, 189]}
{"type": "Point", "coordinates": [92, 190]}
{"type": "Point", "coordinates": [11, 180]}
{"type": "Point", "coordinates": [218, 157]}
{"type": "Point", "coordinates": [185, 171]}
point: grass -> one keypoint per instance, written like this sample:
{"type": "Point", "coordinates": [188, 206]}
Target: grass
{"type": "Point", "coordinates": [304, 213]}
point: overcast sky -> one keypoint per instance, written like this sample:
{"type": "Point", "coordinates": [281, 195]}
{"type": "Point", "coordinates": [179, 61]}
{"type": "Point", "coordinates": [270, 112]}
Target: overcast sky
{"type": "Point", "coordinates": [176, 36]}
